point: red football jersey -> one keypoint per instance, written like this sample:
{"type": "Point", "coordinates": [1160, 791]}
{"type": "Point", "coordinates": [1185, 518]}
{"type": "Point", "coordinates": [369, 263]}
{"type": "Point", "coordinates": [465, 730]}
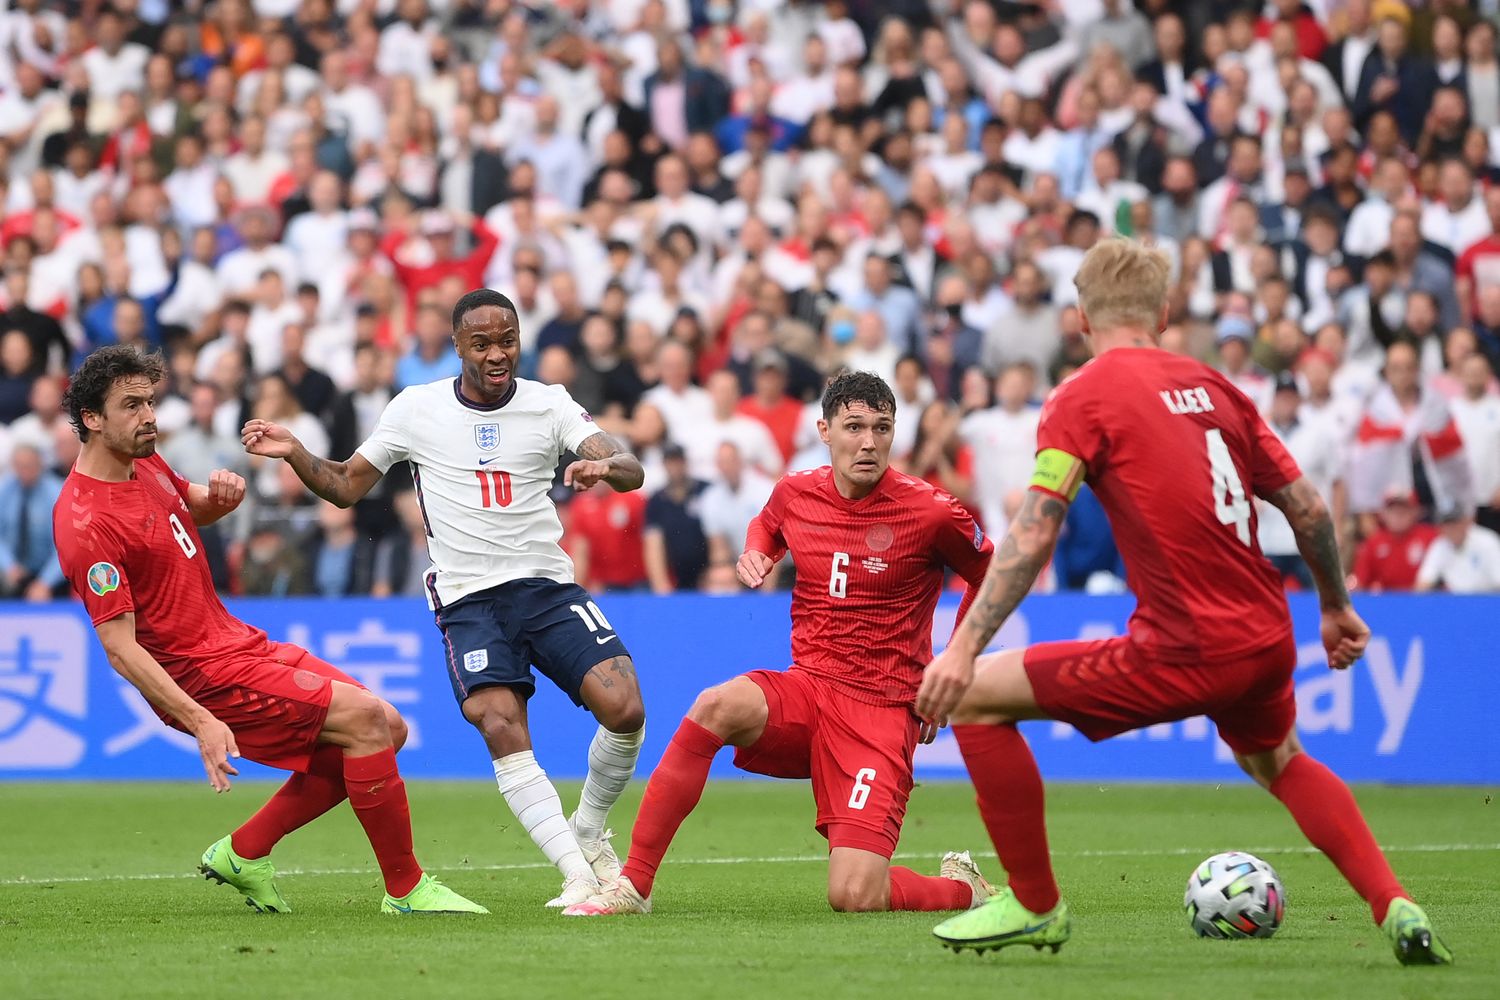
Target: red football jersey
{"type": "Point", "coordinates": [869, 572]}
{"type": "Point", "coordinates": [132, 546]}
{"type": "Point", "coordinates": [1174, 453]}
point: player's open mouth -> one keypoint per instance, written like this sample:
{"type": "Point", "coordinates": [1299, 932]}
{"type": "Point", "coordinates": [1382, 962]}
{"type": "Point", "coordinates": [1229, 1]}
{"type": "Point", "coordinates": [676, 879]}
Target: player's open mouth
{"type": "Point", "coordinates": [496, 377]}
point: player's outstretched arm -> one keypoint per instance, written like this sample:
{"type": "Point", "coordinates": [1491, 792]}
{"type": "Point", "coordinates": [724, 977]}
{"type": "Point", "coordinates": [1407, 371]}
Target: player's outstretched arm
{"type": "Point", "coordinates": [223, 493]}
{"type": "Point", "coordinates": [1345, 635]}
{"type": "Point", "coordinates": [132, 662]}
{"type": "Point", "coordinates": [340, 483]}
{"type": "Point", "coordinates": [603, 459]}
{"type": "Point", "coordinates": [1021, 558]}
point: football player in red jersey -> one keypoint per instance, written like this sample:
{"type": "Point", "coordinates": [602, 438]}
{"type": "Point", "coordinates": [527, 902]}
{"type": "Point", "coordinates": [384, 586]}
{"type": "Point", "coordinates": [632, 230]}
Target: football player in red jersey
{"type": "Point", "coordinates": [871, 545]}
{"type": "Point", "coordinates": [1173, 452]}
{"type": "Point", "coordinates": [126, 528]}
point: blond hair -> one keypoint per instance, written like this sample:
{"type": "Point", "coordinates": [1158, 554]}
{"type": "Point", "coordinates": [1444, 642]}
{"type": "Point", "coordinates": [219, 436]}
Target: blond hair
{"type": "Point", "coordinates": [1122, 282]}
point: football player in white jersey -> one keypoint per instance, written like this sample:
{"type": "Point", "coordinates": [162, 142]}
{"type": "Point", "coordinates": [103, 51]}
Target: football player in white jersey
{"type": "Point", "coordinates": [483, 449]}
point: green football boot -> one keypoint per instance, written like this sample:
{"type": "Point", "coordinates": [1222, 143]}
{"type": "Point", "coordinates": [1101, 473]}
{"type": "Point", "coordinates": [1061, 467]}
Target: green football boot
{"type": "Point", "coordinates": [1002, 922]}
{"type": "Point", "coordinates": [1412, 937]}
{"type": "Point", "coordinates": [255, 879]}
{"type": "Point", "coordinates": [430, 896]}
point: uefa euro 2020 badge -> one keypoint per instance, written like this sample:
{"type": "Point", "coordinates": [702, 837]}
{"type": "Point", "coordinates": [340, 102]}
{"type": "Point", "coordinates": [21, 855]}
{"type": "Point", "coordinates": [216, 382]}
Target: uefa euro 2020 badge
{"type": "Point", "coordinates": [103, 578]}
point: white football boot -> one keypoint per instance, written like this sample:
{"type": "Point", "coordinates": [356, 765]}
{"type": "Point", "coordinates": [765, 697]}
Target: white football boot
{"type": "Point", "coordinates": [958, 866]}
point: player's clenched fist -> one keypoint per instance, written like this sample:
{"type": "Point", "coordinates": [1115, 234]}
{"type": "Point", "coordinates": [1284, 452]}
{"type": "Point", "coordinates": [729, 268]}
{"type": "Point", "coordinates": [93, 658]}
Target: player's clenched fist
{"type": "Point", "coordinates": [753, 568]}
{"type": "Point", "coordinates": [585, 474]}
{"type": "Point", "coordinates": [261, 437]}
{"type": "Point", "coordinates": [225, 489]}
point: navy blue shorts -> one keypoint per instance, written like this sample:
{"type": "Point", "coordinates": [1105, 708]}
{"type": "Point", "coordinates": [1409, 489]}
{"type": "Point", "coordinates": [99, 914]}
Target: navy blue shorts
{"type": "Point", "coordinates": [495, 636]}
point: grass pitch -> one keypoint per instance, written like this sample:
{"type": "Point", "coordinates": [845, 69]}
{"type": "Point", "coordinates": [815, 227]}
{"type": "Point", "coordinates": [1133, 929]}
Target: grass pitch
{"type": "Point", "coordinates": [98, 899]}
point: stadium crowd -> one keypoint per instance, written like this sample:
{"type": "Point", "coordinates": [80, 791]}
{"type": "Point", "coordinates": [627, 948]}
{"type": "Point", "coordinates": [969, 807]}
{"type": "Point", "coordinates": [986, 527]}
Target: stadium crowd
{"type": "Point", "coordinates": [703, 208]}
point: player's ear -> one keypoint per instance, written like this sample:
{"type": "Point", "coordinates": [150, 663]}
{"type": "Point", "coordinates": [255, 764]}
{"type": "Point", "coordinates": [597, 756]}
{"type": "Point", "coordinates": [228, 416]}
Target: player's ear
{"type": "Point", "coordinates": [1161, 321]}
{"type": "Point", "coordinates": [1083, 322]}
{"type": "Point", "coordinates": [823, 430]}
{"type": "Point", "coordinates": [94, 422]}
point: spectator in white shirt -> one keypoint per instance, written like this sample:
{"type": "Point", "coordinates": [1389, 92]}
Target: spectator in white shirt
{"type": "Point", "coordinates": [1477, 413]}
{"type": "Point", "coordinates": [254, 168]}
{"type": "Point", "coordinates": [319, 237]}
{"type": "Point", "coordinates": [1369, 228]}
{"type": "Point", "coordinates": [730, 503]}
{"type": "Point", "coordinates": [406, 44]}
{"type": "Point", "coordinates": [674, 406]}
{"type": "Point", "coordinates": [750, 437]}
{"type": "Point", "coordinates": [561, 161]}
{"type": "Point", "coordinates": [1458, 219]}
{"type": "Point", "coordinates": [190, 186]}
{"type": "Point", "coordinates": [1003, 441]}
{"type": "Point", "coordinates": [269, 317]}
{"type": "Point", "coordinates": [1465, 558]}
{"type": "Point", "coordinates": [353, 110]}
{"type": "Point", "coordinates": [1034, 144]}
{"type": "Point", "coordinates": [114, 65]}
{"type": "Point", "coordinates": [1105, 192]}
{"type": "Point", "coordinates": [239, 270]}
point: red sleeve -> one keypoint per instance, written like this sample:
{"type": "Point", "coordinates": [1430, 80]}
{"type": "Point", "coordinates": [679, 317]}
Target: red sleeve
{"type": "Point", "coordinates": [1464, 268]}
{"type": "Point", "coordinates": [485, 248]}
{"type": "Point", "coordinates": [1271, 465]}
{"type": "Point", "coordinates": [959, 540]}
{"type": "Point", "coordinates": [93, 561]}
{"type": "Point", "coordinates": [1364, 565]}
{"type": "Point", "coordinates": [1066, 425]}
{"type": "Point", "coordinates": [764, 533]}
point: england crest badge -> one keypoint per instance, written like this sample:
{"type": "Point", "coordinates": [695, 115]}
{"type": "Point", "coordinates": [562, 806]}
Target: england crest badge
{"type": "Point", "coordinates": [487, 436]}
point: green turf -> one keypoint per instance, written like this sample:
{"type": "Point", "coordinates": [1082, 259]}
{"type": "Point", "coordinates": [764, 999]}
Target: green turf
{"type": "Point", "coordinates": [78, 927]}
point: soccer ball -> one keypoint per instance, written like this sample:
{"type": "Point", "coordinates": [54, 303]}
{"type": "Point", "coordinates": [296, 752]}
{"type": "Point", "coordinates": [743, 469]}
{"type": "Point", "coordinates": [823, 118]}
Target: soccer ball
{"type": "Point", "coordinates": [1234, 895]}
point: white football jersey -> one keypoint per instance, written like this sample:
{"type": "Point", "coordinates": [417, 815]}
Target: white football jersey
{"type": "Point", "coordinates": [482, 475]}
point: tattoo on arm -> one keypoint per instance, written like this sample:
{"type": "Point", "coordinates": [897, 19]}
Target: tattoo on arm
{"type": "Point", "coordinates": [1021, 557]}
{"type": "Point", "coordinates": [329, 480]}
{"type": "Point", "coordinates": [1317, 539]}
{"type": "Point", "coordinates": [625, 472]}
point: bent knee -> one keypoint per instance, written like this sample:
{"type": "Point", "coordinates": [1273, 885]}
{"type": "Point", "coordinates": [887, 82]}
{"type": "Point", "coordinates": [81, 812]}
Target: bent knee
{"type": "Point", "coordinates": [622, 712]}
{"type": "Point", "coordinates": [397, 726]}
{"type": "Point", "coordinates": [855, 897]}
{"type": "Point", "coordinates": [721, 711]}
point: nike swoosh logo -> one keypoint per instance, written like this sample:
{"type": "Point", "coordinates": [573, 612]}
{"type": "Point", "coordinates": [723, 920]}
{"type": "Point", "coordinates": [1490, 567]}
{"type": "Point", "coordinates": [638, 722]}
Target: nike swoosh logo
{"type": "Point", "coordinates": [403, 909]}
{"type": "Point", "coordinates": [603, 639]}
{"type": "Point", "coordinates": [487, 461]}
{"type": "Point", "coordinates": [234, 867]}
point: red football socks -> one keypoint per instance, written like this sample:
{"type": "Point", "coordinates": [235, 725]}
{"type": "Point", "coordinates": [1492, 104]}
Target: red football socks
{"type": "Point", "coordinates": [1011, 804]}
{"type": "Point", "coordinates": [378, 796]}
{"type": "Point", "coordinates": [672, 793]}
{"type": "Point", "coordinates": [910, 891]}
{"type": "Point", "coordinates": [1329, 817]}
{"type": "Point", "coordinates": [301, 800]}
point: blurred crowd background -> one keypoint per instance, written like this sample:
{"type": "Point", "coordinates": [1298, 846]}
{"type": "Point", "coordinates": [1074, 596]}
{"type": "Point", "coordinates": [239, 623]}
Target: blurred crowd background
{"type": "Point", "coordinates": [703, 208]}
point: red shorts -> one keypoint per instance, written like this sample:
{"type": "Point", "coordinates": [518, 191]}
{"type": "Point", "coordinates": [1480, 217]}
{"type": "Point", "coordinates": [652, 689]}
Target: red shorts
{"type": "Point", "coordinates": [858, 756]}
{"type": "Point", "coordinates": [1110, 686]}
{"type": "Point", "coordinates": [274, 703]}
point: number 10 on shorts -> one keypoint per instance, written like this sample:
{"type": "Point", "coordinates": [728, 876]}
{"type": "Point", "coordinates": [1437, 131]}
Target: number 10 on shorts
{"type": "Point", "coordinates": [861, 793]}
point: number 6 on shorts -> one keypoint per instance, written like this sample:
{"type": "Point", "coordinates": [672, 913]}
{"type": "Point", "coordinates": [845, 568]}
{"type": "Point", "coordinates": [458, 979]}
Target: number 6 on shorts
{"type": "Point", "coordinates": [861, 792]}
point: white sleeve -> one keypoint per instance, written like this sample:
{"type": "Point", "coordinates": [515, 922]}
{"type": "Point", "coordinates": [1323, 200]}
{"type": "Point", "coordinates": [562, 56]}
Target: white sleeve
{"type": "Point", "coordinates": [571, 422]}
{"type": "Point", "coordinates": [390, 441]}
{"type": "Point", "coordinates": [1430, 573]}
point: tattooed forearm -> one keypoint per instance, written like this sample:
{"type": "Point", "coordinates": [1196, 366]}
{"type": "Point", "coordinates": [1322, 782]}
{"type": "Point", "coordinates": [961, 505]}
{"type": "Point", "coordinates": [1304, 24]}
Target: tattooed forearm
{"type": "Point", "coordinates": [329, 480]}
{"type": "Point", "coordinates": [1021, 557]}
{"type": "Point", "coordinates": [1317, 539]}
{"type": "Point", "coordinates": [625, 473]}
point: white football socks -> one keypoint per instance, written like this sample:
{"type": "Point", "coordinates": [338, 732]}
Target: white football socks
{"type": "Point", "coordinates": [612, 758]}
{"type": "Point", "coordinates": [536, 805]}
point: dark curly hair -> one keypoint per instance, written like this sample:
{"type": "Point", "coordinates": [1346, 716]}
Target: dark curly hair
{"type": "Point", "coordinates": [477, 299]}
{"type": "Point", "coordinates": [857, 387]}
{"type": "Point", "coordinates": [98, 374]}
